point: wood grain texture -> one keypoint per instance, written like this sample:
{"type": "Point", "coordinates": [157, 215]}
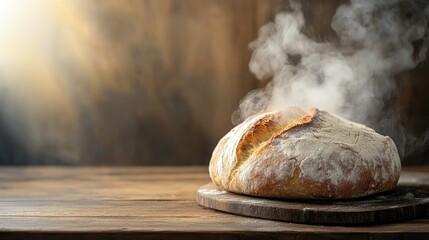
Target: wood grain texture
{"type": "Point", "coordinates": [145, 203]}
{"type": "Point", "coordinates": [406, 202]}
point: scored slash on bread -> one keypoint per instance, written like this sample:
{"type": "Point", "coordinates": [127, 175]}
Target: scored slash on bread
{"type": "Point", "coordinates": [304, 154]}
{"type": "Point", "coordinates": [262, 133]}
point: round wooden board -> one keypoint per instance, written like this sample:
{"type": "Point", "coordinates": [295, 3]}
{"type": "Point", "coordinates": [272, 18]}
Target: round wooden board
{"type": "Point", "coordinates": [409, 200]}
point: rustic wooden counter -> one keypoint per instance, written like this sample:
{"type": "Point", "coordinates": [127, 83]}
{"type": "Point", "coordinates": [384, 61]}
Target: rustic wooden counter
{"type": "Point", "coordinates": [145, 203]}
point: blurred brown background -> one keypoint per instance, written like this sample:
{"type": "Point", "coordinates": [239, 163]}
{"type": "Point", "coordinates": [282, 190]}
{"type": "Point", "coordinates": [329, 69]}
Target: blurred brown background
{"type": "Point", "coordinates": [150, 82]}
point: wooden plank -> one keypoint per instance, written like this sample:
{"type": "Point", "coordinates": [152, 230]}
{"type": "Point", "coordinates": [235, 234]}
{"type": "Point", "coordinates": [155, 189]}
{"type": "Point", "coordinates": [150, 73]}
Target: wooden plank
{"type": "Point", "coordinates": [209, 235]}
{"type": "Point", "coordinates": [92, 208]}
{"type": "Point", "coordinates": [404, 203]}
{"type": "Point", "coordinates": [157, 215]}
{"type": "Point", "coordinates": [218, 222]}
{"type": "Point", "coordinates": [132, 183]}
{"type": "Point", "coordinates": [181, 216]}
{"type": "Point", "coordinates": [145, 203]}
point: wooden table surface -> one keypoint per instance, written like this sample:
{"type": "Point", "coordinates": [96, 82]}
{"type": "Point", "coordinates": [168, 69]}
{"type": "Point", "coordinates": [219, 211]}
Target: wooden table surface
{"type": "Point", "coordinates": [145, 203]}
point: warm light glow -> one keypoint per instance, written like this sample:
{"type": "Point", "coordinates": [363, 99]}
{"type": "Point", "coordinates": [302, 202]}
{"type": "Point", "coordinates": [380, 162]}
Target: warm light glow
{"type": "Point", "coordinates": [33, 86]}
{"type": "Point", "coordinates": [54, 65]}
{"type": "Point", "coordinates": [12, 14]}
{"type": "Point", "coordinates": [19, 20]}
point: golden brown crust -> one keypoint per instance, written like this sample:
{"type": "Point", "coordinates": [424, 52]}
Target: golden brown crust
{"type": "Point", "coordinates": [304, 155]}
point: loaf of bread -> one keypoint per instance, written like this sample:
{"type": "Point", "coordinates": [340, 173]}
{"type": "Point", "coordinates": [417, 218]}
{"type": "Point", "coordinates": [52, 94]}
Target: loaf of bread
{"type": "Point", "coordinates": [301, 154]}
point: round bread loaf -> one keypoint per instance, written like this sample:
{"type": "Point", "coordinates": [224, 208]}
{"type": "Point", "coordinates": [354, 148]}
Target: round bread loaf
{"type": "Point", "coordinates": [305, 155]}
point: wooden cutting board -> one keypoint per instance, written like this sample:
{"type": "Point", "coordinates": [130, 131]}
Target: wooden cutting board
{"type": "Point", "coordinates": [409, 200]}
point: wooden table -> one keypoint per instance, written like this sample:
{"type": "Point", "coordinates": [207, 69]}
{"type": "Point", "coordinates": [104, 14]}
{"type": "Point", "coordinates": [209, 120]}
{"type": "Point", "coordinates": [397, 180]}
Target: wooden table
{"type": "Point", "coordinates": [145, 203]}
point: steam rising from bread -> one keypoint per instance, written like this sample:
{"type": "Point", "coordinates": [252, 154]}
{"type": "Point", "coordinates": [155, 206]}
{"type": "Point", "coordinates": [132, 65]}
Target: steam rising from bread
{"type": "Point", "coordinates": [352, 77]}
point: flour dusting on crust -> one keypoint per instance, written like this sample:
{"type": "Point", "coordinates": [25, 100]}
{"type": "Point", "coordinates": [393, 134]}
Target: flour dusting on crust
{"type": "Point", "coordinates": [314, 155]}
{"type": "Point", "coordinates": [341, 149]}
